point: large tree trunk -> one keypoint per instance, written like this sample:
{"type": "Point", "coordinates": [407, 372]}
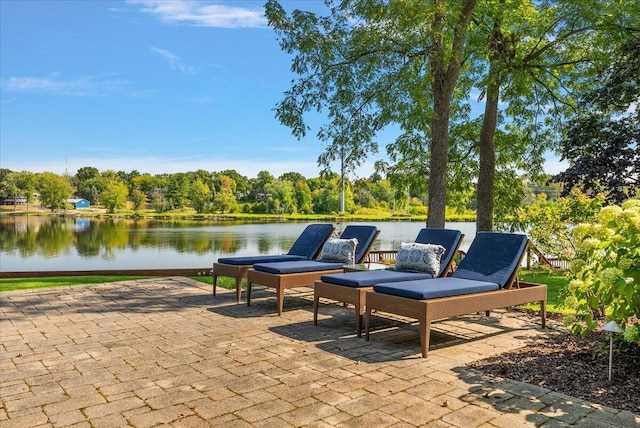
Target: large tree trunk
{"type": "Point", "coordinates": [439, 159]}
{"type": "Point", "coordinates": [444, 75]}
{"type": "Point", "coordinates": [487, 170]}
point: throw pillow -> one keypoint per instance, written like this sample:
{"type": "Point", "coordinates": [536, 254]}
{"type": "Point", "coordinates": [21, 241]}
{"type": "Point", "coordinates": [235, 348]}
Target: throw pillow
{"type": "Point", "coordinates": [417, 257]}
{"type": "Point", "coordinates": [339, 250]}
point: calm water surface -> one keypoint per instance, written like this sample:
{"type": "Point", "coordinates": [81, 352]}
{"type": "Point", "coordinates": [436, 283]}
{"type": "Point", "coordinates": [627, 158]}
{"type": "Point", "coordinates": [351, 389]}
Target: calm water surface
{"type": "Point", "coordinates": [30, 243]}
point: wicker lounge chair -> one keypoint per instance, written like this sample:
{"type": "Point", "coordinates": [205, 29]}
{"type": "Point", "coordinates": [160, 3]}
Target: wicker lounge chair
{"type": "Point", "coordinates": [283, 275]}
{"type": "Point", "coordinates": [351, 287]}
{"type": "Point", "coordinates": [306, 247]}
{"type": "Point", "coordinates": [486, 279]}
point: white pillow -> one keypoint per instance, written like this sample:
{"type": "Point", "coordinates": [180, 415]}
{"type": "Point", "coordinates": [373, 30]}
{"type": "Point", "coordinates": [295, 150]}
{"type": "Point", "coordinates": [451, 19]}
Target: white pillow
{"type": "Point", "coordinates": [339, 250]}
{"type": "Point", "coordinates": [417, 257]}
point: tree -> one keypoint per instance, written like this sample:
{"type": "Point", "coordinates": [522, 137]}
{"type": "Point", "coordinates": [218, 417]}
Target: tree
{"type": "Point", "coordinates": [549, 223]}
{"type": "Point", "coordinates": [54, 190]}
{"type": "Point", "coordinates": [9, 188]}
{"type": "Point", "coordinates": [146, 183]}
{"type": "Point", "coordinates": [89, 183]}
{"type": "Point", "coordinates": [326, 198]}
{"type": "Point", "coordinates": [159, 199]}
{"type": "Point", "coordinates": [539, 55]}
{"type": "Point", "coordinates": [303, 198]}
{"type": "Point", "coordinates": [26, 182]}
{"type": "Point", "coordinates": [115, 194]}
{"type": "Point", "coordinates": [86, 173]}
{"type": "Point", "coordinates": [350, 153]}
{"type": "Point", "coordinates": [415, 63]}
{"type": "Point", "coordinates": [259, 183]}
{"type": "Point", "coordinates": [225, 198]}
{"type": "Point", "coordinates": [603, 142]}
{"type": "Point", "coordinates": [200, 196]}
{"type": "Point", "coordinates": [243, 186]}
{"type": "Point", "coordinates": [375, 63]}
{"type": "Point", "coordinates": [138, 197]}
{"type": "Point", "coordinates": [281, 197]}
{"type": "Point", "coordinates": [178, 190]}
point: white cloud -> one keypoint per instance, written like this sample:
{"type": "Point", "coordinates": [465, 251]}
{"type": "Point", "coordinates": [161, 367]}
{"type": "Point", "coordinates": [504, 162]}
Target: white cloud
{"type": "Point", "coordinates": [174, 61]}
{"type": "Point", "coordinates": [86, 86]}
{"type": "Point", "coordinates": [202, 14]}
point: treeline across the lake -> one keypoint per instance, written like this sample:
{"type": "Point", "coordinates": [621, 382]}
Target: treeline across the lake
{"type": "Point", "coordinates": [225, 192]}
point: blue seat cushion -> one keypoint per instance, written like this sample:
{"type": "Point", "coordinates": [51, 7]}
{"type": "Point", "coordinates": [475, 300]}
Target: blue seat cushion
{"type": "Point", "coordinates": [281, 268]}
{"type": "Point", "coordinates": [435, 288]}
{"type": "Point", "coordinates": [251, 260]}
{"type": "Point", "coordinates": [370, 277]}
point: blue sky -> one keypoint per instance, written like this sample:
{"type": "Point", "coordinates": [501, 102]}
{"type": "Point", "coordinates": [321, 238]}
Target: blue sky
{"type": "Point", "coordinates": [153, 86]}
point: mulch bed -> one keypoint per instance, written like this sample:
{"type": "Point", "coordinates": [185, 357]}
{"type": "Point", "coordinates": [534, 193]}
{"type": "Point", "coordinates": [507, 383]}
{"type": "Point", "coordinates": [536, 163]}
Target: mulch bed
{"type": "Point", "coordinates": [575, 366]}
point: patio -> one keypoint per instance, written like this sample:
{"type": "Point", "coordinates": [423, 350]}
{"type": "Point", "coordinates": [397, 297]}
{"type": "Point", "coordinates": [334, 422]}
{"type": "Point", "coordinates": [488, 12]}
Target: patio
{"type": "Point", "coordinates": [164, 351]}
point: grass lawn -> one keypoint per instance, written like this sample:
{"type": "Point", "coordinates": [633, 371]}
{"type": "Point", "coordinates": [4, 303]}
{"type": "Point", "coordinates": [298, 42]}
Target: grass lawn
{"type": "Point", "coordinates": [11, 284]}
{"type": "Point", "coordinates": [556, 283]}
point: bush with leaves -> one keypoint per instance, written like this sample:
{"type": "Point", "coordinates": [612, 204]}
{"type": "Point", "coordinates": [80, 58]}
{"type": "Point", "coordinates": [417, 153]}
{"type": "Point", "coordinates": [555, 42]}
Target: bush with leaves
{"type": "Point", "coordinates": [605, 276]}
{"type": "Point", "coordinates": [549, 223]}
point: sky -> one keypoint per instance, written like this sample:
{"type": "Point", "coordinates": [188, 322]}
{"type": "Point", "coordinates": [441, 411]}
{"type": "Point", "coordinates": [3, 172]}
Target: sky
{"type": "Point", "coordinates": [153, 86]}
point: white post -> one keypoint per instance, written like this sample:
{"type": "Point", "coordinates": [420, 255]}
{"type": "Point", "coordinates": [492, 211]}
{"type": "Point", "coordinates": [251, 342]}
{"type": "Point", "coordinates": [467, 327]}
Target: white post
{"type": "Point", "coordinates": [611, 327]}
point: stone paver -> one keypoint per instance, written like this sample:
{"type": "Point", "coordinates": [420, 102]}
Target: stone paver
{"type": "Point", "coordinates": [165, 352]}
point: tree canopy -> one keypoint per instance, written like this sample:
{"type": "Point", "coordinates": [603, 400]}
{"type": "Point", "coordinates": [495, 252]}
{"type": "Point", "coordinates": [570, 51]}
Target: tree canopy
{"type": "Point", "coordinates": [603, 142]}
{"type": "Point", "coordinates": [414, 64]}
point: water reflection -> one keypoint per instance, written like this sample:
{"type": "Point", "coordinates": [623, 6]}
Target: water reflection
{"type": "Point", "coordinates": [31, 243]}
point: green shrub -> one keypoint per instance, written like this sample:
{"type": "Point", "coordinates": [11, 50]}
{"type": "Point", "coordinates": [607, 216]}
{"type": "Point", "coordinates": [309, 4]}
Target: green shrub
{"type": "Point", "coordinates": [605, 276]}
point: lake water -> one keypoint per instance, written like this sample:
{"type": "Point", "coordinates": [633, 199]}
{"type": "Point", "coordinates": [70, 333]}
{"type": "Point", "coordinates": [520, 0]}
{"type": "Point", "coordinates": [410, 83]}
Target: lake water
{"type": "Point", "coordinates": [34, 243]}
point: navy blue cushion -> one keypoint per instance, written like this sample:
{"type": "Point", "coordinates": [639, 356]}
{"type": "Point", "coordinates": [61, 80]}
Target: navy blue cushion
{"type": "Point", "coordinates": [492, 257]}
{"type": "Point", "coordinates": [296, 266]}
{"type": "Point", "coordinates": [251, 260]}
{"type": "Point", "coordinates": [434, 288]}
{"type": "Point", "coordinates": [311, 240]}
{"type": "Point", "coordinates": [369, 277]}
{"type": "Point", "coordinates": [448, 238]}
{"type": "Point", "coordinates": [365, 236]}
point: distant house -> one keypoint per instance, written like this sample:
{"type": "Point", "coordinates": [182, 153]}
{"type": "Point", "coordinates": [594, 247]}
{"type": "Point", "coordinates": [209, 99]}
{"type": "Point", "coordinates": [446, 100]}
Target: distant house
{"type": "Point", "coordinates": [78, 203]}
{"type": "Point", "coordinates": [20, 200]}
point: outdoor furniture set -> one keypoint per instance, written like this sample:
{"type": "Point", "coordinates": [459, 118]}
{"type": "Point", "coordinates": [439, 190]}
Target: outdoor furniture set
{"type": "Point", "coordinates": [423, 285]}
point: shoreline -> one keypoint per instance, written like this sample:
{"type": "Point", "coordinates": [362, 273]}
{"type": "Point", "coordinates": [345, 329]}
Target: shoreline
{"type": "Point", "coordinates": [234, 217]}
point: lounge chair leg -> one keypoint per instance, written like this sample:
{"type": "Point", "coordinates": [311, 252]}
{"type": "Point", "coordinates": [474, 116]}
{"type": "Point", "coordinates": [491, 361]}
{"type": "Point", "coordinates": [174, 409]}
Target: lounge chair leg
{"type": "Point", "coordinates": [425, 334]}
{"type": "Point", "coordinates": [238, 288]}
{"type": "Point", "coordinates": [316, 300]}
{"type": "Point", "coordinates": [367, 323]}
{"type": "Point", "coordinates": [487, 313]}
{"type": "Point", "coordinates": [359, 309]}
{"type": "Point", "coordinates": [543, 312]}
{"type": "Point", "coordinates": [280, 302]}
{"type": "Point", "coordinates": [214, 277]}
{"type": "Point", "coordinates": [248, 293]}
